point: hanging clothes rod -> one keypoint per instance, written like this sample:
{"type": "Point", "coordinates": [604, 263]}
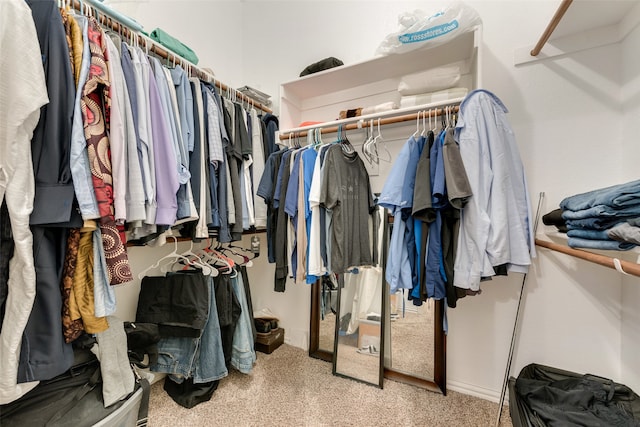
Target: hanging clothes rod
{"type": "Point", "coordinates": [626, 266]}
{"type": "Point", "coordinates": [111, 22]}
{"type": "Point", "coordinates": [435, 112]}
{"type": "Point", "coordinates": [557, 17]}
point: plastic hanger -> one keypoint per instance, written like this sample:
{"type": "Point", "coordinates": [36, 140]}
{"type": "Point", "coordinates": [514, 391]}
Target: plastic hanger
{"type": "Point", "coordinates": [367, 149]}
{"type": "Point", "coordinates": [206, 269]}
{"type": "Point", "coordinates": [198, 261]}
{"type": "Point", "coordinates": [184, 256]}
{"type": "Point", "coordinates": [310, 138]}
{"type": "Point", "coordinates": [417, 125]}
{"type": "Point", "coordinates": [318, 137]}
{"type": "Point", "coordinates": [210, 256]}
{"type": "Point", "coordinates": [245, 259]}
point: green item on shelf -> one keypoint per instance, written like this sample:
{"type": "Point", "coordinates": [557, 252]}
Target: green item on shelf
{"type": "Point", "coordinates": [175, 45]}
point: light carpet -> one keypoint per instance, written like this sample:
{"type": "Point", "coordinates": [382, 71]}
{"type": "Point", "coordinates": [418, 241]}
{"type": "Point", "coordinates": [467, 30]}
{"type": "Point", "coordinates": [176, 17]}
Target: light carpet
{"type": "Point", "coordinates": [288, 388]}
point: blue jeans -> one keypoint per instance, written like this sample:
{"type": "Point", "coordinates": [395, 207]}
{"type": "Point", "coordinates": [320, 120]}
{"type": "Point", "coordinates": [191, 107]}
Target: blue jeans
{"type": "Point", "coordinates": [589, 234]}
{"type": "Point", "coordinates": [603, 211]}
{"type": "Point", "coordinates": [243, 355]}
{"type": "Point", "coordinates": [616, 196]}
{"type": "Point", "coordinates": [201, 358]}
{"type": "Point", "coordinates": [594, 223]}
{"type": "Point", "coordinates": [612, 245]}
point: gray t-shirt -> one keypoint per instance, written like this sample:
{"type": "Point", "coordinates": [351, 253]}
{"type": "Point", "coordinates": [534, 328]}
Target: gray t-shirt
{"type": "Point", "coordinates": [346, 191]}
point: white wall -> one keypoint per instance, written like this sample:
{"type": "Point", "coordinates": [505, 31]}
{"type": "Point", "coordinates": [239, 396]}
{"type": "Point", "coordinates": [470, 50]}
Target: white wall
{"type": "Point", "coordinates": [211, 28]}
{"type": "Point", "coordinates": [631, 285]}
{"type": "Point", "coordinates": [566, 113]}
{"type": "Point", "coordinates": [572, 315]}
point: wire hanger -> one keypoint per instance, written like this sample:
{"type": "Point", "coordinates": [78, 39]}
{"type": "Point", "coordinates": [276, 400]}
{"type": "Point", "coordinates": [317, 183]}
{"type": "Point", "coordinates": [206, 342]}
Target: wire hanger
{"type": "Point", "coordinates": [388, 158]}
{"type": "Point", "coordinates": [345, 144]}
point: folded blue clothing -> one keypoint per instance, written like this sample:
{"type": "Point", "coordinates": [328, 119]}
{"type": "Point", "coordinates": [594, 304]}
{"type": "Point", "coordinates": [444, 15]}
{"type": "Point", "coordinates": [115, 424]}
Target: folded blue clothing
{"type": "Point", "coordinates": [584, 233]}
{"type": "Point", "coordinates": [594, 223]}
{"type": "Point", "coordinates": [616, 196]}
{"type": "Point", "coordinates": [610, 245]}
{"type": "Point", "coordinates": [603, 211]}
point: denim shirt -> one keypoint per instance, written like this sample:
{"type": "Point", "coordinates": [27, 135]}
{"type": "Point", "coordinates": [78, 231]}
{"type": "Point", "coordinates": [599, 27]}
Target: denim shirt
{"type": "Point", "coordinates": [495, 225]}
{"type": "Point", "coordinates": [79, 159]}
{"type": "Point", "coordinates": [396, 195]}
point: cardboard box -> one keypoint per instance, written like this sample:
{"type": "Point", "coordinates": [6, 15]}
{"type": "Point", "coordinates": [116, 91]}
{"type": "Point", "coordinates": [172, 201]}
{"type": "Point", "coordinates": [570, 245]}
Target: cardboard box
{"type": "Point", "coordinates": [368, 333]}
{"type": "Point", "coordinates": [268, 342]}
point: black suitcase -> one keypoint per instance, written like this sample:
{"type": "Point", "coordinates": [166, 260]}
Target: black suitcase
{"type": "Point", "coordinates": [542, 395]}
{"type": "Point", "coordinates": [75, 399]}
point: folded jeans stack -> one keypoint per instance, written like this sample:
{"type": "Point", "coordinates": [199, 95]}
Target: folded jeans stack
{"type": "Point", "coordinates": [605, 218]}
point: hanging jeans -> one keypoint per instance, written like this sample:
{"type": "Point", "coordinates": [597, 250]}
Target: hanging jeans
{"type": "Point", "coordinates": [201, 358]}
{"type": "Point", "coordinates": [243, 355]}
{"type": "Point", "coordinates": [178, 303]}
{"type": "Point", "coordinates": [229, 310]}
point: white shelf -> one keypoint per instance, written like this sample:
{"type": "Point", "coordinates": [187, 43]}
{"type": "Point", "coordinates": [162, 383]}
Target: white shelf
{"type": "Point", "coordinates": [587, 24]}
{"type": "Point", "coordinates": [381, 115]}
{"type": "Point", "coordinates": [321, 96]}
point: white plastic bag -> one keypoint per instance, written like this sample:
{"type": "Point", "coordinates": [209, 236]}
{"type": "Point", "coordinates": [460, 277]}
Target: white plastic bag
{"type": "Point", "coordinates": [419, 29]}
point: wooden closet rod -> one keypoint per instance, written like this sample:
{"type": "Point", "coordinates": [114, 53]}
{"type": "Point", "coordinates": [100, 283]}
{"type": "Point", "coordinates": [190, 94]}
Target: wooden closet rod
{"type": "Point", "coordinates": [358, 125]}
{"type": "Point", "coordinates": [551, 27]}
{"type": "Point", "coordinates": [108, 21]}
{"type": "Point", "coordinates": [627, 267]}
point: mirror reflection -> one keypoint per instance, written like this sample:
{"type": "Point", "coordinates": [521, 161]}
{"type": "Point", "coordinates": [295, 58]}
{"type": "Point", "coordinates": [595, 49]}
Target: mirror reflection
{"type": "Point", "coordinates": [411, 347]}
{"type": "Point", "coordinates": [358, 353]}
{"type": "Point", "coordinates": [328, 308]}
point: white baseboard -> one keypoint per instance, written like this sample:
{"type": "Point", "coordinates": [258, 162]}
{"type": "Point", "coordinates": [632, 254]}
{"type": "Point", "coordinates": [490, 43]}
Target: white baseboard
{"type": "Point", "coordinates": [473, 390]}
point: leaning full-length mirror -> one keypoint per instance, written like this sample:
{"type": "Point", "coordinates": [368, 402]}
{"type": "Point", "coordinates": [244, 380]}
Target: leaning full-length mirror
{"type": "Point", "coordinates": [359, 343]}
{"type": "Point", "coordinates": [410, 324]}
{"type": "Point", "coordinates": [324, 304]}
{"type": "Point", "coordinates": [414, 338]}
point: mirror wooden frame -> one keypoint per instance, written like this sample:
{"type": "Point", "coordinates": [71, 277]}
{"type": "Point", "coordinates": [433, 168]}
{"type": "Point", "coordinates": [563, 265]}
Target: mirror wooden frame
{"type": "Point", "coordinates": [439, 382]}
{"type": "Point", "coordinates": [336, 341]}
{"type": "Point", "coordinates": [314, 327]}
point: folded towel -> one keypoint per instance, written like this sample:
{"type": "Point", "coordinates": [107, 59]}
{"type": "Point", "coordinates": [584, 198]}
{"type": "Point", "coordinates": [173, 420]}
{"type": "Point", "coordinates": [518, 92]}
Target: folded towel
{"type": "Point", "coordinates": [385, 106]}
{"type": "Point", "coordinates": [356, 112]}
{"type": "Point", "coordinates": [428, 98]}
{"type": "Point", "coordinates": [432, 80]}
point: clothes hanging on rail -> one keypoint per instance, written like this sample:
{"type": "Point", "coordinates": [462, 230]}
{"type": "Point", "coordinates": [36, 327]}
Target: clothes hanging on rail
{"type": "Point", "coordinates": [112, 159]}
{"type": "Point", "coordinates": [23, 92]}
{"type": "Point", "coordinates": [44, 354]}
{"type": "Point", "coordinates": [496, 227]}
{"type": "Point", "coordinates": [319, 205]}
{"type": "Point", "coordinates": [346, 191]}
{"type": "Point", "coordinates": [205, 331]}
{"type": "Point", "coordinates": [425, 191]}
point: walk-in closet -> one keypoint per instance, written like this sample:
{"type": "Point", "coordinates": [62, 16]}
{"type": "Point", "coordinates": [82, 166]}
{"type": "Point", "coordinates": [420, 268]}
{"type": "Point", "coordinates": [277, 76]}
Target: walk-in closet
{"type": "Point", "coordinates": [310, 213]}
